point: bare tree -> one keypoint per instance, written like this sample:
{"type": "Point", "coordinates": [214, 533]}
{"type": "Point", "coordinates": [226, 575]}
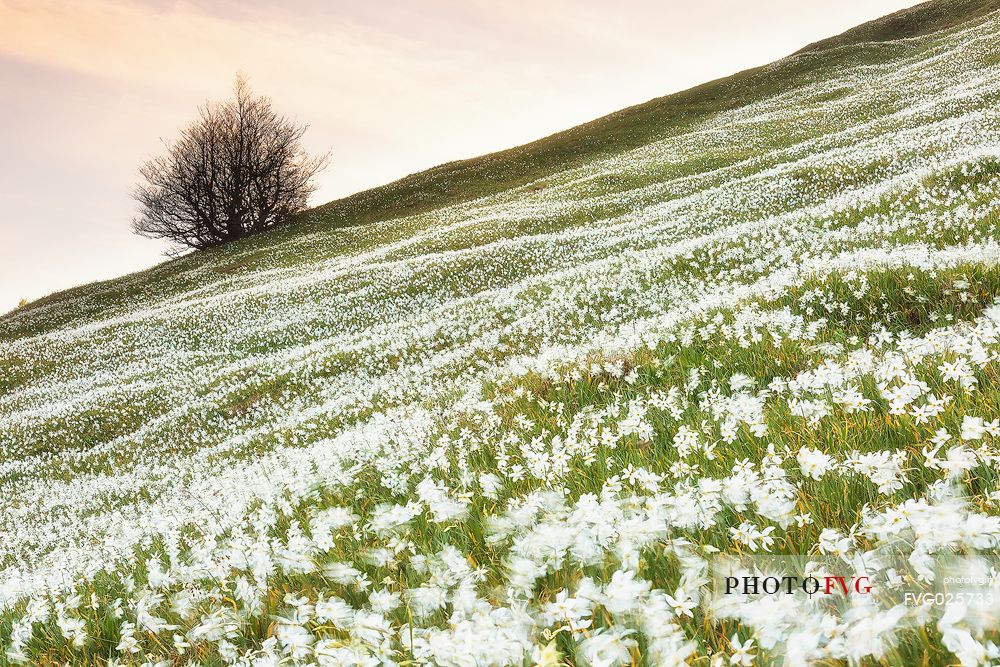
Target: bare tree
{"type": "Point", "coordinates": [238, 169]}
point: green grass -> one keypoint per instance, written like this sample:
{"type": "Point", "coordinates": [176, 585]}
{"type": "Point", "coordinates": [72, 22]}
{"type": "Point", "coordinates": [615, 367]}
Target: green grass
{"type": "Point", "coordinates": [729, 262]}
{"type": "Point", "coordinates": [466, 180]}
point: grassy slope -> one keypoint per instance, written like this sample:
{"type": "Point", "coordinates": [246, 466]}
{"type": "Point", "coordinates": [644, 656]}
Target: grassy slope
{"type": "Point", "coordinates": [635, 126]}
{"type": "Point", "coordinates": [840, 312]}
{"type": "Point", "coordinates": [465, 180]}
{"type": "Point", "coordinates": [911, 22]}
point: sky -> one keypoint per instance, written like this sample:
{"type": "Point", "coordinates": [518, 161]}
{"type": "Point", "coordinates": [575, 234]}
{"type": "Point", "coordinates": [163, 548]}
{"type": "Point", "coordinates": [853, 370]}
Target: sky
{"type": "Point", "coordinates": [90, 90]}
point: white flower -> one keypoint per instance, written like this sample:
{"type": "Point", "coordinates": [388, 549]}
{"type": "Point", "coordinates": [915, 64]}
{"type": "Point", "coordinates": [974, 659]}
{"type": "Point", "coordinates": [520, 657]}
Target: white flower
{"type": "Point", "coordinates": [624, 593]}
{"type": "Point", "coordinates": [383, 602]}
{"type": "Point", "coordinates": [295, 638]}
{"type": "Point", "coordinates": [833, 543]}
{"type": "Point", "coordinates": [574, 611]}
{"type": "Point", "coordinates": [741, 654]}
{"type": "Point", "coordinates": [127, 642]}
{"type": "Point", "coordinates": [490, 484]}
{"type": "Point", "coordinates": [335, 611]}
{"type": "Point", "coordinates": [608, 647]}
{"type": "Point", "coordinates": [753, 537]}
{"type": "Point", "coordinates": [681, 603]}
{"type": "Point", "coordinates": [814, 463]}
{"type": "Point", "coordinates": [972, 428]}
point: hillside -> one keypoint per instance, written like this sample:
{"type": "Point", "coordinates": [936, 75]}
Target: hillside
{"type": "Point", "coordinates": [509, 410]}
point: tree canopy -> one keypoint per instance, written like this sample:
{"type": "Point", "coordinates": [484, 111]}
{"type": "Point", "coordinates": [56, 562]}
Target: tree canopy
{"type": "Point", "coordinates": [238, 169]}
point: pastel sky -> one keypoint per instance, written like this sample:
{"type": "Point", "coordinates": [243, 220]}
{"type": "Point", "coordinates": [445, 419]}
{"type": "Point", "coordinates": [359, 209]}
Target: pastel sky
{"type": "Point", "coordinates": [90, 89]}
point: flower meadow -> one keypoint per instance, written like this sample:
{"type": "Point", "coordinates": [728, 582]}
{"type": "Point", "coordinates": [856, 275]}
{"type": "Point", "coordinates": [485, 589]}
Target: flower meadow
{"type": "Point", "coordinates": [517, 430]}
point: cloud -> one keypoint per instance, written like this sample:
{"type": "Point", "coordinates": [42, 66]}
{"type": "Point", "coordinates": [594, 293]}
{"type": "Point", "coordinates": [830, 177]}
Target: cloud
{"type": "Point", "coordinates": [392, 87]}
